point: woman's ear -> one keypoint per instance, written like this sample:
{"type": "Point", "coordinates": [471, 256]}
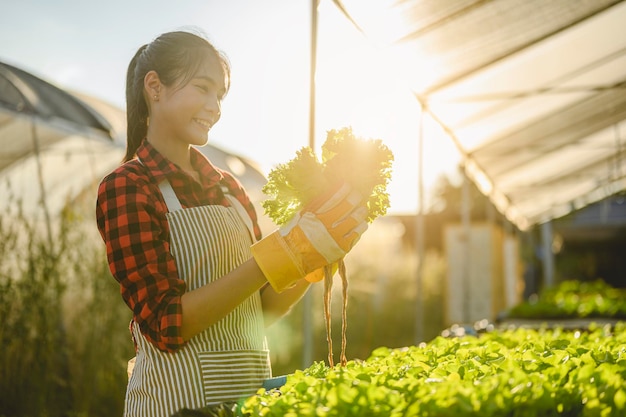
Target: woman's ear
{"type": "Point", "coordinates": [152, 86]}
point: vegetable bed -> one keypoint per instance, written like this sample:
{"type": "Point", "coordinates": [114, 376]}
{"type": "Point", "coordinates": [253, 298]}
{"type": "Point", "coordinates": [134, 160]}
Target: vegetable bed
{"type": "Point", "coordinates": [521, 372]}
{"type": "Point", "coordinates": [574, 300]}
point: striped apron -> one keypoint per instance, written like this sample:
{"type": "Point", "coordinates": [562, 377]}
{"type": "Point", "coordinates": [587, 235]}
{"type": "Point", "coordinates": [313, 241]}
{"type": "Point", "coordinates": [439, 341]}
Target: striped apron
{"type": "Point", "coordinates": [230, 359]}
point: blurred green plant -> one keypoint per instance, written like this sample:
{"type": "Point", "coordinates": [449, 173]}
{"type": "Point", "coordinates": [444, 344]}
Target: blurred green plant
{"type": "Point", "coordinates": [63, 339]}
{"type": "Point", "coordinates": [574, 299]}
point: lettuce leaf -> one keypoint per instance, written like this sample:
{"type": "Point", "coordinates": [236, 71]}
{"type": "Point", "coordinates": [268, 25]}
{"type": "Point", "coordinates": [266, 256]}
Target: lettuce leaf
{"type": "Point", "coordinates": [365, 164]}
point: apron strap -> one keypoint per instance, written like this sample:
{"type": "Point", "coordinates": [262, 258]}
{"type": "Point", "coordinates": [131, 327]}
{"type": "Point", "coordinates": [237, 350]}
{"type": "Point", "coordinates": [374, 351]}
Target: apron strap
{"type": "Point", "coordinates": [241, 211]}
{"type": "Point", "coordinates": [171, 201]}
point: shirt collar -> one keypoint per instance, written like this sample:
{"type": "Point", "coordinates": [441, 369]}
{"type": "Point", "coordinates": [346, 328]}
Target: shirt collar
{"type": "Point", "coordinates": [160, 167]}
{"type": "Point", "coordinates": [210, 175]}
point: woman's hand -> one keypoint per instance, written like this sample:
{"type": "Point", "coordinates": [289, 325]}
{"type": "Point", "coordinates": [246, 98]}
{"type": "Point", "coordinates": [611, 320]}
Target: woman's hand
{"type": "Point", "coordinates": [320, 234]}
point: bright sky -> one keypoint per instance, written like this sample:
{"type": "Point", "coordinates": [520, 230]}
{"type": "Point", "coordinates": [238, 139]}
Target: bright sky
{"type": "Point", "coordinates": [86, 46]}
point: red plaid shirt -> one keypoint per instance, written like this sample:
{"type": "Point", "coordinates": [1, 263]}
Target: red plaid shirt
{"type": "Point", "coordinates": [131, 218]}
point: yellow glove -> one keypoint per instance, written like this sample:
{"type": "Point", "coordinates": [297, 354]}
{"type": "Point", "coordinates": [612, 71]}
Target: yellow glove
{"type": "Point", "coordinates": [320, 234]}
{"type": "Point", "coordinates": [318, 274]}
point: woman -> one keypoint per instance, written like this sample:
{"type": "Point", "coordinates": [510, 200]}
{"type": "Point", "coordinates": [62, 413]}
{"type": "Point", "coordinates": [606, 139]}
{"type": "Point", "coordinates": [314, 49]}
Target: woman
{"type": "Point", "coordinates": [183, 241]}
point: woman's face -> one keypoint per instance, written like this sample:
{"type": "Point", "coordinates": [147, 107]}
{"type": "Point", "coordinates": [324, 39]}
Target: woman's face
{"type": "Point", "coordinates": [186, 113]}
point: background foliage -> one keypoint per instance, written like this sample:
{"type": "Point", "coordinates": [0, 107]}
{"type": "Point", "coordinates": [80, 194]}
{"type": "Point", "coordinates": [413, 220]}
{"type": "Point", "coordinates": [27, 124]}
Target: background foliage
{"type": "Point", "coordinates": [63, 339]}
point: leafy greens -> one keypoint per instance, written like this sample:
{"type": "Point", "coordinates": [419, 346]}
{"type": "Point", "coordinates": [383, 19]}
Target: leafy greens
{"type": "Point", "coordinates": [365, 164]}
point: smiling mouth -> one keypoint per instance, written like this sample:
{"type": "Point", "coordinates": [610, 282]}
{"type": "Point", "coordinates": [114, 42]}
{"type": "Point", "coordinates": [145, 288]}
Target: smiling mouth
{"type": "Point", "coordinates": [204, 123]}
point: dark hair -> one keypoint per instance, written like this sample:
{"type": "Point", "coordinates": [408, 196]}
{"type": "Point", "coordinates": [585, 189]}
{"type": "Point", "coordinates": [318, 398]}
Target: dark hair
{"type": "Point", "coordinates": [176, 57]}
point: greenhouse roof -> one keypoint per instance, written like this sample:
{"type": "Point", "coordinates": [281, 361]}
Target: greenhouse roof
{"type": "Point", "coordinates": [532, 92]}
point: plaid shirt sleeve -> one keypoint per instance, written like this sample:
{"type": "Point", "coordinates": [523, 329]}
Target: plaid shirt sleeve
{"type": "Point", "coordinates": [129, 218]}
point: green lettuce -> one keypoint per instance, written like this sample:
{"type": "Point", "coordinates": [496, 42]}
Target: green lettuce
{"type": "Point", "coordinates": [365, 164]}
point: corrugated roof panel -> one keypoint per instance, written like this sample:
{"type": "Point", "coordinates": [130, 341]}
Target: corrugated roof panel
{"type": "Point", "coordinates": [547, 70]}
{"type": "Point", "coordinates": [512, 117]}
{"type": "Point", "coordinates": [545, 60]}
{"type": "Point", "coordinates": [533, 92]}
{"type": "Point", "coordinates": [566, 126]}
{"type": "Point", "coordinates": [490, 31]}
{"type": "Point", "coordinates": [534, 166]}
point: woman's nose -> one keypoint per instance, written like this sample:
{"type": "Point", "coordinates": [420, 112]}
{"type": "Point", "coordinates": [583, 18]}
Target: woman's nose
{"type": "Point", "coordinates": [214, 106]}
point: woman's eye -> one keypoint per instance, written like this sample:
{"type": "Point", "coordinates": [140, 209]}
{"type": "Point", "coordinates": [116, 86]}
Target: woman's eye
{"type": "Point", "coordinates": [203, 88]}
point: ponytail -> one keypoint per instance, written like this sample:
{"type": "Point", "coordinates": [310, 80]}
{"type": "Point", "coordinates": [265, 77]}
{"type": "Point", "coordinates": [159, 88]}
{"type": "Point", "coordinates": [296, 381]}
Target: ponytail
{"type": "Point", "coordinates": [136, 107]}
